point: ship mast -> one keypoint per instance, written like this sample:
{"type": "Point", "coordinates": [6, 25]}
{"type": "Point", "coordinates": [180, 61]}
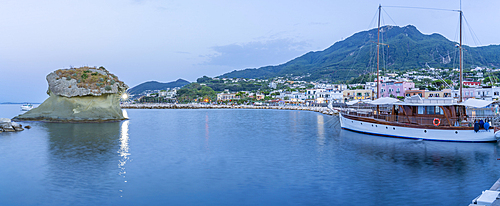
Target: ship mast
{"type": "Point", "coordinates": [378, 52]}
{"type": "Point", "coordinates": [461, 58]}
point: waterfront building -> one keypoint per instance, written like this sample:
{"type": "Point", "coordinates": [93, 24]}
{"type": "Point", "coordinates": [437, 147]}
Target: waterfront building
{"type": "Point", "coordinates": [395, 89]}
{"type": "Point", "coordinates": [328, 96]}
{"type": "Point", "coordinates": [467, 93]}
{"type": "Point", "coordinates": [349, 95]}
{"type": "Point", "coordinates": [296, 97]}
{"type": "Point", "coordinates": [488, 93]}
{"type": "Point", "coordinates": [311, 93]}
{"type": "Point", "coordinates": [335, 96]}
{"type": "Point", "coordinates": [227, 96]}
{"type": "Point", "coordinates": [372, 86]}
{"type": "Point", "coordinates": [415, 91]}
{"type": "Point", "coordinates": [445, 93]}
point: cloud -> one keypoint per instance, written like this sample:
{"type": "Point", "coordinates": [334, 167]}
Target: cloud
{"type": "Point", "coordinates": [256, 54]}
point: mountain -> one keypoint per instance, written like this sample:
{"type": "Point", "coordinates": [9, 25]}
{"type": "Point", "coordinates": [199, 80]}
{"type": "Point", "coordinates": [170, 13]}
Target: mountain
{"type": "Point", "coordinates": [406, 48]}
{"type": "Point", "coordinates": [154, 85]}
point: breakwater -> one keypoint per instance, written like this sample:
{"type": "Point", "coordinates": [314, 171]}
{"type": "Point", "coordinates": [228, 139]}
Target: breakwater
{"type": "Point", "coordinates": [323, 110]}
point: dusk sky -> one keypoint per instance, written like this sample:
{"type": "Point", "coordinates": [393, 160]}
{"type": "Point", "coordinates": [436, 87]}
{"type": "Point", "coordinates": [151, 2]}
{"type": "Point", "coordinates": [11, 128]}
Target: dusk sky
{"type": "Point", "coordinates": [145, 40]}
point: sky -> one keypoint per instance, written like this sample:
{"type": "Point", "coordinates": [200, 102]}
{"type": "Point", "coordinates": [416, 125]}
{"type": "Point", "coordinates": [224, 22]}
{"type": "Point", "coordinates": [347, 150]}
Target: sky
{"type": "Point", "coordinates": [164, 40]}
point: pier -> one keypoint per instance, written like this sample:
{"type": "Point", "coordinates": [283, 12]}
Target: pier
{"type": "Point", "coordinates": [323, 110]}
{"type": "Point", "coordinates": [489, 197]}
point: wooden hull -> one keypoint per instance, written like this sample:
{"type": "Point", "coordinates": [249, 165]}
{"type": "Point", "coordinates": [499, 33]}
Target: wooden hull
{"type": "Point", "coordinates": [424, 133]}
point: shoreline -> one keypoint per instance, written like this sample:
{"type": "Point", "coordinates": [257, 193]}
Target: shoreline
{"type": "Point", "coordinates": [323, 110]}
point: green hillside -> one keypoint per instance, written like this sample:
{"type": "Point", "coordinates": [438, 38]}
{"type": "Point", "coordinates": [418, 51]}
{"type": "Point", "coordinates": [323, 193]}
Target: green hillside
{"type": "Point", "coordinates": [154, 85]}
{"type": "Point", "coordinates": [407, 48]}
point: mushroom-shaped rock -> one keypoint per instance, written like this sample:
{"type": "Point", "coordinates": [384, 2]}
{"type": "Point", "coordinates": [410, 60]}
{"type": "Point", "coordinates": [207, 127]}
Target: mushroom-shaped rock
{"type": "Point", "coordinates": [85, 94]}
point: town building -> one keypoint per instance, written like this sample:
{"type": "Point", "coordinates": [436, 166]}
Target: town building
{"type": "Point", "coordinates": [445, 93]}
{"type": "Point", "coordinates": [294, 97]}
{"type": "Point", "coordinates": [227, 96]}
{"type": "Point", "coordinates": [488, 93]}
{"type": "Point", "coordinates": [170, 94]}
{"type": "Point", "coordinates": [395, 89]}
{"type": "Point", "coordinates": [349, 95]}
{"type": "Point", "coordinates": [414, 91]}
{"type": "Point", "coordinates": [467, 93]}
{"type": "Point", "coordinates": [472, 84]}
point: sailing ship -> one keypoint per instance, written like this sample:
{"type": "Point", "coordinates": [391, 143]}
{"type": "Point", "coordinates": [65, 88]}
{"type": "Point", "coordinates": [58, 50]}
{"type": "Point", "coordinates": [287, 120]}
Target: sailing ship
{"type": "Point", "coordinates": [440, 119]}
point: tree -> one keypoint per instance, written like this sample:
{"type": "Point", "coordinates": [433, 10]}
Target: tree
{"type": "Point", "coordinates": [195, 91]}
{"type": "Point", "coordinates": [440, 84]}
{"type": "Point", "coordinates": [491, 80]}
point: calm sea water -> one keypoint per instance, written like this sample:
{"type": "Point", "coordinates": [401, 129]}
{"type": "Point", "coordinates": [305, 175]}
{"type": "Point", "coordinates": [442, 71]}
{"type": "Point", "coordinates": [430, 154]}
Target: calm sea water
{"type": "Point", "coordinates": [233, 157]}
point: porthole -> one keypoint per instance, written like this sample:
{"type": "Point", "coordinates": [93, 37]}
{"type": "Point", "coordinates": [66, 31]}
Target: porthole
{"type": "Point", "coordinates": [394, 128]}
{"type": "Point", "coordinates": [456, 132]}
{"type": "Point", "coordinates": [376, 125]}
{"type": "Point", "coordinates": [352, 121]}
{"type": "Point", "coordinates": [387, 127]}
{"type": "Point", "coordinates": [361, 123]}
{"type": "Point", "coordinates": [372, 125]}
{"type": "Point", "coordinates": [425, 131]}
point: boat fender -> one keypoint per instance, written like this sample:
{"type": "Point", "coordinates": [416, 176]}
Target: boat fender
{"type": "Point", "coordinates": [436, 122]}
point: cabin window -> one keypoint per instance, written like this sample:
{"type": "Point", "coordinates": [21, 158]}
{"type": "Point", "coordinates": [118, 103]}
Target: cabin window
{"type": "Point", "coordinates": [420, 110]}
{"type": "Point", "coordinates": [430, 109]}
{"type": "Point", "coordinates": [439, 110]}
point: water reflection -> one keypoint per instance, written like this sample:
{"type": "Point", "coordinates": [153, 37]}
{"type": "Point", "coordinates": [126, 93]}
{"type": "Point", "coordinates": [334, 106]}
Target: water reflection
{"type": "Point", "coordinates": [321, 129]}
{"type": "Point", "coordinates": [417, 154]}
{"type": "Point", "coordinates": [82, 159]}
{"type": "Point", "coordinates": [123, 151]}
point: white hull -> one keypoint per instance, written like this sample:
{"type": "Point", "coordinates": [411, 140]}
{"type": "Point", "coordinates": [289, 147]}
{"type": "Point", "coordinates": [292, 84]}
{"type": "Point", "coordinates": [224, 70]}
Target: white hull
{"type": "Point", "coordinates": [418, 133]}
{"type": "Point", "coordinates": [26, 108]}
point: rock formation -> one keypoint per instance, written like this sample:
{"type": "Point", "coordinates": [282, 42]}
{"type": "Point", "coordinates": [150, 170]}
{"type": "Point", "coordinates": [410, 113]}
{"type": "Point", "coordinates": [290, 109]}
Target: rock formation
{"type": "Point", "coordinates": [85, 94]}
{"type": "Point", "coordinates": [7, 126]}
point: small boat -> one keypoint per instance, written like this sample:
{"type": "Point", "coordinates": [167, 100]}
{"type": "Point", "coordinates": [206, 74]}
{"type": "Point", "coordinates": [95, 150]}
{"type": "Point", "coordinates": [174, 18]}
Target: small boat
{"type": "Point", "coordinates": [26, 107]}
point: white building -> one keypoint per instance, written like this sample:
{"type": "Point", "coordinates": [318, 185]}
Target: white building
{"type": "Point", "coordinates": [293, 96]}
{"type": "Point", "coordinates": [488, 93]}
{"type": "Point", "coordinates": [170, 94]}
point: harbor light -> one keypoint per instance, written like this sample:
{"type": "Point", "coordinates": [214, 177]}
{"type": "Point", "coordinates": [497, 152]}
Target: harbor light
{"type": "Point", "coordinates": [124, 96]}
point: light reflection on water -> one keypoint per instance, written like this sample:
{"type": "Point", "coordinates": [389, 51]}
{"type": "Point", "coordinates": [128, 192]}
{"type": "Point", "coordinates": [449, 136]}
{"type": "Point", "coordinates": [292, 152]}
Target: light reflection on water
{"type": "Point", "coordinates": [123, 151]}
{"type": "Point", "coordinates": [321, 130]}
